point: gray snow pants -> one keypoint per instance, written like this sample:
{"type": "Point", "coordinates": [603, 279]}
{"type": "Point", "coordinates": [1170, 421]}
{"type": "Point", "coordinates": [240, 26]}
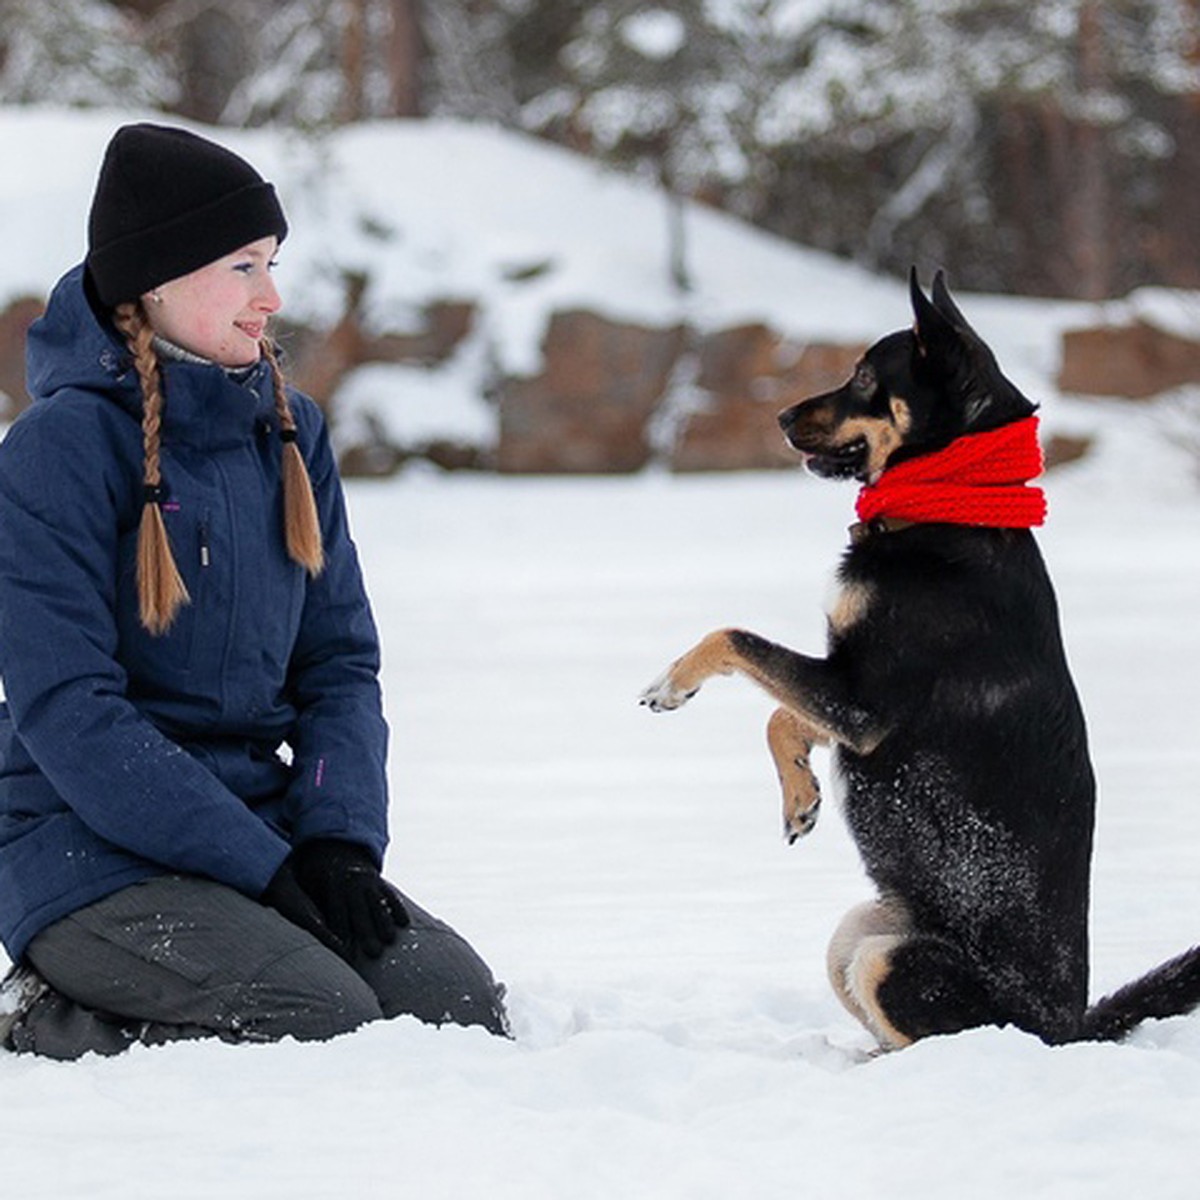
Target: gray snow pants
{"type": "Point", "coordinates": [177, 957]}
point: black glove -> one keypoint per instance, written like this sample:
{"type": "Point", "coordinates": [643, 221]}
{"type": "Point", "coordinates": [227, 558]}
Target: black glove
{"type": "Point", "coordinates": [287, 897]}
{"type": "Point", "coordinates": [357, 903]}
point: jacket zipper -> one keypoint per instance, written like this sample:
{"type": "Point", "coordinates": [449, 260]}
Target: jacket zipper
{"type": "Point", "coordinates": [205, 556]}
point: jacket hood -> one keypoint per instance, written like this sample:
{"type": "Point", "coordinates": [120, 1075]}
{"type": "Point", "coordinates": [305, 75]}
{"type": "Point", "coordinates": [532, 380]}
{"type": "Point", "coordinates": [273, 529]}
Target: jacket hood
{"type": "Point", "coordinates": [72, 347]}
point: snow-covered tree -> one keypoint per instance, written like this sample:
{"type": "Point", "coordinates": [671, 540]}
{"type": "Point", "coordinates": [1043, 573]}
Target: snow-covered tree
{"type": "Point", "coordinates": [888, 129]}
{"type": "Point", "coordinates": [1048, 146]}
{"type": "Point", "coordinates": [470, 65]}
{"type": "Point", "coordinates": [929, 92]}
{"type": "Point", "coordinates": [322, 62]}
{"type": "Point", "coordinates": [86, 53]}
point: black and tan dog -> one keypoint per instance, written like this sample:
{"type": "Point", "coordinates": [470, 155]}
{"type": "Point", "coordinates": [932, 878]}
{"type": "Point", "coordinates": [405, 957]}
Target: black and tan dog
{"type": "Point", "coordinates": [945, 692]}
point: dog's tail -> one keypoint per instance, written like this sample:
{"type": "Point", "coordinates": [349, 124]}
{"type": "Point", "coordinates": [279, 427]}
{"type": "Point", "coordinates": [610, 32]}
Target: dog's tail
{"type": "Point", "coordinates": [1170, 990]}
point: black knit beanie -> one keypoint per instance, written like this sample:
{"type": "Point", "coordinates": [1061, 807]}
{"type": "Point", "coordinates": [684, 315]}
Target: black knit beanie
{"type": "Point", "coordinates": [168, 202]}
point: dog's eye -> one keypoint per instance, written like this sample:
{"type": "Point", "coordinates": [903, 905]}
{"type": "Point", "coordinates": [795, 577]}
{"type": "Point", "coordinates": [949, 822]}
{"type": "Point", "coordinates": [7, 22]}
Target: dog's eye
{"type": "Point", "coordinates": [864, 380]}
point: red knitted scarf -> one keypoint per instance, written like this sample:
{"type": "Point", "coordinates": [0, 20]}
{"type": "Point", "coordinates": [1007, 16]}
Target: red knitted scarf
{"type": "Point", "coordinates": [979, 479]}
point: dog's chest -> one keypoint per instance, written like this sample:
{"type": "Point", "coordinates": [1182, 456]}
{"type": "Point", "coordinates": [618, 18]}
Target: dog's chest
{"type": "Point", "coordinates": [846, 606]}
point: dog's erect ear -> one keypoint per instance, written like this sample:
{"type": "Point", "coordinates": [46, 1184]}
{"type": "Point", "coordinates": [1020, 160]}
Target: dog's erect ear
{"type": "Point", "coordinates": [946, 306]}
{"type": "Point", "coordinates": [957, 355]}
{"type": "Point", "coordinates": [951, 349]}
{"type": "Point", "coordinates": [934, 331]}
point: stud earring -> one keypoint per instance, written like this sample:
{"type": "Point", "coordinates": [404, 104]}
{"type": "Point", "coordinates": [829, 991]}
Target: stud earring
{"type": "Point", "coordinates": [156, 297]}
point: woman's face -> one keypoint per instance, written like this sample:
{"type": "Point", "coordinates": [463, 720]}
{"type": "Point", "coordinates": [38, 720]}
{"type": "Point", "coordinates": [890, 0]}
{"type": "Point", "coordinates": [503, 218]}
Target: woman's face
{"type": "Point", "coordinates": [220, 311]}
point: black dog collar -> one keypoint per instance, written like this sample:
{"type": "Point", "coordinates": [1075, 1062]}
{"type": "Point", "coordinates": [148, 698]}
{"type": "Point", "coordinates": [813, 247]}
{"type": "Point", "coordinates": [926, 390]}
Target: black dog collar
{"type": "Point", "coordinates": [861, 530]}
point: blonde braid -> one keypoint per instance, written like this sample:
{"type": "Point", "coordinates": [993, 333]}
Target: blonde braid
{"type": "Point", "coordinates": [301, 524]}
{"type": "Point", "coordinates": [161, 590]}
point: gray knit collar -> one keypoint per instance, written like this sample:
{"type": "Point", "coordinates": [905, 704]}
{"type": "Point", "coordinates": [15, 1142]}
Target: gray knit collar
{"type": "Point", "coordinates": [169, 350]}
{"type": "Point", "coordinates": [175, 353]}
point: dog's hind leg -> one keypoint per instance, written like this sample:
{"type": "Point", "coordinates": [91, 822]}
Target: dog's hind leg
{"type": "Point", "coordinates": [930, 987]}
{"type": "Point", "coordinates": [857, 959]}
{"type": "Point", "coordinates": [902, 984]}
{"type": "Point", "coordinates": [791, 740]}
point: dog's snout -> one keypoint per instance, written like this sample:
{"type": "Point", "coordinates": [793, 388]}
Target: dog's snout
{"type": "Point", "coordinates": [787, 418]}
{"type": "Point", "coordinates": [798, 415]}
{"type": "Point", "coordinates": [809, 422]}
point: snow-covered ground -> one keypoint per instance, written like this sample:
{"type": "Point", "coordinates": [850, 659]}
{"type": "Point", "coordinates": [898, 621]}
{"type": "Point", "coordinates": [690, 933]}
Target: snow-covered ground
{"type": "Point", "coordinates": [624, 874]}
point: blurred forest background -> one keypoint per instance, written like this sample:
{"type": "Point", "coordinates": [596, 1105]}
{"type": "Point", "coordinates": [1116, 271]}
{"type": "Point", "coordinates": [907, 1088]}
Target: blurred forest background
{"type": "Point", "coordinates": [1049, 148]}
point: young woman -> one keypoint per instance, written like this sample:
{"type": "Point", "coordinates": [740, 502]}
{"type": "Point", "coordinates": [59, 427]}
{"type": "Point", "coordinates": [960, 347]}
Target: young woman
{"type": "Point", "coordinates": [193, 799]}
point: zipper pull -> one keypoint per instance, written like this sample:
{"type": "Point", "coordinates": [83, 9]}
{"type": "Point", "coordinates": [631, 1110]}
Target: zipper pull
{"type": "Point", "coordinates": [204, 554]}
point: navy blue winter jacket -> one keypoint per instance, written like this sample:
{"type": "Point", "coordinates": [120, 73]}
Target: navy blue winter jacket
{"type": "Point", "coordinates": [254, 723]}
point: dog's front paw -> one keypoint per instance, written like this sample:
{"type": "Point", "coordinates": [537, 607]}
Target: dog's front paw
{"type": "Point", "coordinates": [801, 799]}
{"type": "Point", "coordinates": [800, 822]}
{"type": "Point", "coordinates": [664, 694]}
